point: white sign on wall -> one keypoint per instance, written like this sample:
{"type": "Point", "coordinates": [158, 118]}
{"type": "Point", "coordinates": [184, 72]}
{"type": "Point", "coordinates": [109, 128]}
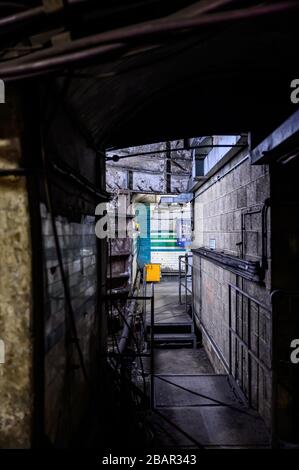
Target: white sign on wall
{"type": "Point", "coordinates": [212, 244]}
{"type": "Point", "coordinates": [2, 92]}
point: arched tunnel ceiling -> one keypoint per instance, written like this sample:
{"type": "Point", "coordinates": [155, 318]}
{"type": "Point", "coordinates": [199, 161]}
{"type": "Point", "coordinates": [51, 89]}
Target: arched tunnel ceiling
{"type": "Point", "coordinates": [226, 79]}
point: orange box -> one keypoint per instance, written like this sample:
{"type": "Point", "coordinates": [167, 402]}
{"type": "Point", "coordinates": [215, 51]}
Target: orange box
{"type": "Point", "coordinates": [152, 272]}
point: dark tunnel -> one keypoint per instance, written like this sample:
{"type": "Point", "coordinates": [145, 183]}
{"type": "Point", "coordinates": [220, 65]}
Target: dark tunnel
{"type": "Point", "coordinates": [148, 225]}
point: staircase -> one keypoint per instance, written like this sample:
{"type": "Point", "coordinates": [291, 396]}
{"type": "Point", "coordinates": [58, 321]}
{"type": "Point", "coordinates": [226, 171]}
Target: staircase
{"type": "Point", "coordinates": [172, 335]}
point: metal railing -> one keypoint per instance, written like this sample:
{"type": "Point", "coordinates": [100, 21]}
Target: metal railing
{"type": "Point", "coordinates": [185, 278]}
{"type": "Point", "coordinates": [128, 333]}
{"type": "Point", "coordinates": [185, 284]}
{"type": "Point", "coordinates": [249, 321]}
{"type": "Point", "coordinates": [151, 354]}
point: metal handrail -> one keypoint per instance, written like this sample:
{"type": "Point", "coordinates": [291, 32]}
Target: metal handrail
{"type": "Point", "coordinates": [245, 343]}
{"type": "Point", "coordinates": [184, 276]}
{"type": "Point", "coordinates": [183, 259]}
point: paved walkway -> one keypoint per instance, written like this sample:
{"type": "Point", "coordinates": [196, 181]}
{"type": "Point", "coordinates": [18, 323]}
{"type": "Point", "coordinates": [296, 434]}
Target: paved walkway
{"type": "Point", "coordinates": [199, 406]}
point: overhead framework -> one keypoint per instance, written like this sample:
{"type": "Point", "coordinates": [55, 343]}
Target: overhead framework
{"type": "Point", "coordinates": [155, 61]}
{"type": "Point", "coordinates": [165, 170]}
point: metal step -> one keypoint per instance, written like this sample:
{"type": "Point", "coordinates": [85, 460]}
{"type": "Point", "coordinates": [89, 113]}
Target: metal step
{"type": "Point", "coordinates": [171, 328]}
{"type": "Point", "coordinates": [174, 340]}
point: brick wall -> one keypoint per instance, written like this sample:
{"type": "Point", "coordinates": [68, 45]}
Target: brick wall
{"type": "Point", "coordinates": [237, 188]}
{"type": "Point", "coordinates": [65, 387]}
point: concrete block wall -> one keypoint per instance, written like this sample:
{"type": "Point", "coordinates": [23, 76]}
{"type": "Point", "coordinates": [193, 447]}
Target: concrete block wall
{"type": "Point", "coordinates": [64, 385]}
{"type": "Point", "coordinates": [219, 204]}
{"type": "Point", "coordinates": [235, 189]}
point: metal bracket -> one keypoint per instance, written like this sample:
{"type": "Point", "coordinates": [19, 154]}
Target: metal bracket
{"type": "Point", "coordinates": [53, 5]}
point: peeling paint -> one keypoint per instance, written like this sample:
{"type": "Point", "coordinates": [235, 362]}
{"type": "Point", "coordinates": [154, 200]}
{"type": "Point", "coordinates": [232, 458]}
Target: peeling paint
{"type": "Point", "coordinates": [15, 307]}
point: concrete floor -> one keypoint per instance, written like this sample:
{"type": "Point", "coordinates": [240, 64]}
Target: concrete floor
{"type": "Point", "coordinates": [167, 307]}
{"type": "Point", "coordinates": [210, 427]}
{"type": "Point", "coordinates": [182, 361]}
{"type": "Point", "coordinates": [197, 401]}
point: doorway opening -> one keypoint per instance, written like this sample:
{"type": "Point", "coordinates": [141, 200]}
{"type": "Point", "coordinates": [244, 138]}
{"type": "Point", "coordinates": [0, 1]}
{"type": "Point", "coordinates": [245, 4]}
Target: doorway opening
{"type": "Point", "coordinates": [185, 203]}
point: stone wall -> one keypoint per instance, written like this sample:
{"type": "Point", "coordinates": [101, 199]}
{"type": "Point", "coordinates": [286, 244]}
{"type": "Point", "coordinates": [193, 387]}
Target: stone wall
{"type": "Point", "coordinates": [16, 387]}
{"type": "Point", "coordinates": [236, 189]}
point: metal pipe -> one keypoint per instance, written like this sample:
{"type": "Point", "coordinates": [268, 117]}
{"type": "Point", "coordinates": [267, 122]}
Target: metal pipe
{"type": "Point", "coordinates": [122, 344]}
{"type": "Point", "coordinates": [19, 18]}
{"type": "Point", "coordinates": [157, 154]}
{"type": "Point", "coordinates": [53, 63]}
{"type": "Point", "coordinates": [156, 28]}
{"type": "Point", "coordinates": [200, 9]}
{"type": "Point", "coordinates": [137, 33]}
{"type": "Point", "coordinates": [154, 152]}
{"type": "Point", "coordinates": [13, 5]}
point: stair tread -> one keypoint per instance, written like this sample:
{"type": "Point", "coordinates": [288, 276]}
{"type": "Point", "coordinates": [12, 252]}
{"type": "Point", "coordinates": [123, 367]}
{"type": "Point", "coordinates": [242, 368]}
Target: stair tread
{"type": "Point", "coordinates": [185, 323]}
{"type": "Point", "coordinates": [172, 336]}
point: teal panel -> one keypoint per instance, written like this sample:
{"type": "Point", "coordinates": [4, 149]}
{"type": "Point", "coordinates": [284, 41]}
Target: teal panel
{"type": "Point", "coordinates": [144, 240]}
